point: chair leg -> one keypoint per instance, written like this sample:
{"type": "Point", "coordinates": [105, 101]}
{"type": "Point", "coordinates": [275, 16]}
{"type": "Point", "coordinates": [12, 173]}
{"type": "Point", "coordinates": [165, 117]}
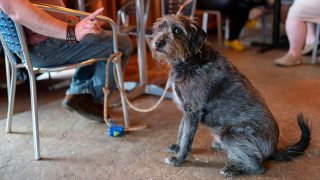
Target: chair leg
{"type": "Point", "coordinates": [205, 25]}
{"type": "Point", "coordinates": [219, 28]}
{"type": "Point", "coordinates": [227, 29]}
{"type": "Point", "coordinates": [81, 5]}
{"type": "Point", "coordinates": [264, 28]}
{"type": "Point", "coordinates": [11, 79]}
{"type": "Point", "coordinates": [34, 111]}
{"type": "Point", "coordinates": [8, 74]}
{"type": "Point", "coordinates": [123, 101]}
{"type": "Point", "coordinates": [205, 21]}
{"type": "Point", "coordinates": [315, 46]}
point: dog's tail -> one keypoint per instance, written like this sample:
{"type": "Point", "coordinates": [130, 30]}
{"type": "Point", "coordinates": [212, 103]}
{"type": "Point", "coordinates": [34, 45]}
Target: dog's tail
{"type": "Point", "coordinates": [297, 149]}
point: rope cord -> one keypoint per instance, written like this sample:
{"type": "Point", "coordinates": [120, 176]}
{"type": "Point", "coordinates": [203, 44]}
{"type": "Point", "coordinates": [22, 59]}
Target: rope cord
{"type": "Point", "coordinates": [134, 107]}
{"type": "Point", "coordinates": [106, 93]}
{"type": "Point", "coordinates": [116, 60]}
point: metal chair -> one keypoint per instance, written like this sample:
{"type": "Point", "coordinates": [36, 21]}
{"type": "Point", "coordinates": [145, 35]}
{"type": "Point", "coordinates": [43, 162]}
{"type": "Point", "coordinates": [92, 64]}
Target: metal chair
{"type": "Point", "coordinates": [216, 8]}
{"type": "Point", "coordinates": [124, 15]}
{"type": "Point", "coordinates": [315, 46]}
{"type": "Point", "coordinates": [14, 43]}
{"type": "Point", "coordinates": [186, 7]}
{"type": "Point", "coordinates": [205, 15]}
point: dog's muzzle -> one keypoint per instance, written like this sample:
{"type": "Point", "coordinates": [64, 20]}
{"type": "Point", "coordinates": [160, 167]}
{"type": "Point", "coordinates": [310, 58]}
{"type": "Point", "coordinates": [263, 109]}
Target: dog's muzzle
{"type": "Point", "coordinates": [159, 44]}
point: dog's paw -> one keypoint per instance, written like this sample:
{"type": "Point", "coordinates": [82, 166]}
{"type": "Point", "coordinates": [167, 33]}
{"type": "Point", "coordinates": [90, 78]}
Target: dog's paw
{"type": "Point", "coordinates": [230, 170]}
{"type": "Point", "coordinates": [173, 161]}
{"type": "Point", "coordinates": [174, 148]}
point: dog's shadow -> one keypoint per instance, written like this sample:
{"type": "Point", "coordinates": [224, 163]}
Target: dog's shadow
{"type": "Point", "coordinates": [205, 158]}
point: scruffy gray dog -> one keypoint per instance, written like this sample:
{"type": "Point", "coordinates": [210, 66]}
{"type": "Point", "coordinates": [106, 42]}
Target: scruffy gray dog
{"type": "Point", "coordinates": [209, 89]}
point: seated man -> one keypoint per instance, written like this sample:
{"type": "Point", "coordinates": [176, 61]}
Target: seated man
{"type": "Point", "coordinates": [52, 42]}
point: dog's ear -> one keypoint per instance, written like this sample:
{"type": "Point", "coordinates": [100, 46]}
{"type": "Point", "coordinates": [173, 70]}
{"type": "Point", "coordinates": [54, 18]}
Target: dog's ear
{"type": "Point", "coordinates": [199, 37]}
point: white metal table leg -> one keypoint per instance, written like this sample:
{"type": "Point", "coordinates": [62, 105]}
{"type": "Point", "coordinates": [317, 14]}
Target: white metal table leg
{"type": "Point", "coordinates": [143, 87]}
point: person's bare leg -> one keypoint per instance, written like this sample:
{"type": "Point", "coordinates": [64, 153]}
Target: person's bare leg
{"type": "Point", "coordinates": [311, 31]}
{"type": "Point", "coordinates": [296, 32]}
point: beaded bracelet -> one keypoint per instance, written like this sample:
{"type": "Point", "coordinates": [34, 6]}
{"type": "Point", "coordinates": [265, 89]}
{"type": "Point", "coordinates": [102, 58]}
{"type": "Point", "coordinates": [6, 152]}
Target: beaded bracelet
{"type": "Point", "coordinates": [71, 34]}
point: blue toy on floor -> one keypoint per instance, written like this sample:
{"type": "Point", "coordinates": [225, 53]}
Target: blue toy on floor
{"type": "Point", "coordinates": [114, 130]}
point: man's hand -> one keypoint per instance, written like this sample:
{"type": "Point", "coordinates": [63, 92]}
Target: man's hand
{"type": "Point", "coordinates": [88, 25]}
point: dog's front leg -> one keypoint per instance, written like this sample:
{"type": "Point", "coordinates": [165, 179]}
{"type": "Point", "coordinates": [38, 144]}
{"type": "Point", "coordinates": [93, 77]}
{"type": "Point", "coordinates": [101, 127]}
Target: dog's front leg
{"type": "Point", "coordinates": [174, 148]}
{"type": "Point", "coordinates": [188, 130]}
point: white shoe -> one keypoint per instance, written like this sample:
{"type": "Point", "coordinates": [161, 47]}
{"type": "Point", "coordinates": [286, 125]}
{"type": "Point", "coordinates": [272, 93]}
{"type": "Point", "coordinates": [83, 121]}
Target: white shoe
{"type": "Point", "coordinates": [287, 61]}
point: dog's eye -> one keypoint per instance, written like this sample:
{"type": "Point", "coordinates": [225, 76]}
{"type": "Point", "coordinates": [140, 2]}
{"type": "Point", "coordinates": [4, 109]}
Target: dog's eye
{"type": "Point", "coordinates": [177, 30]}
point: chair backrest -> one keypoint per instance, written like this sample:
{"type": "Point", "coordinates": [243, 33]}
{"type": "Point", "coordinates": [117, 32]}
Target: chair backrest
{"type": "Point", "coordinates": [186, 7]}
{"type": "Point", "coordinates": [9, 33]}
{"type": "Point", "coordinates": [13, 39]}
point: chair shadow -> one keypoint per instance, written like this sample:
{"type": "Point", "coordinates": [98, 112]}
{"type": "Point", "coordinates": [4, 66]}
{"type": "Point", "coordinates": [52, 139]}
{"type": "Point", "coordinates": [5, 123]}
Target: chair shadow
{"type": "Point", "coordinates": [22, 133]}
{"type": "Point", "coordinates": [53, 159]}
{"type": "Point", "coordinates": [65, 159]}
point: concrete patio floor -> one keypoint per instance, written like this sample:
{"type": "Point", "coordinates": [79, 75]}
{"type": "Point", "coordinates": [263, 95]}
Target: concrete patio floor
{"type": "Point", "coordinates": [75, 148]}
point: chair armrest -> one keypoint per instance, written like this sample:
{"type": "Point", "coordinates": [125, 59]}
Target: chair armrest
{"type": "Point", "coordinates": [185, 4]}
{"type": "Point", "coordinates": [68, 11]}
{"type": "Point", "coordinates": [63, 10]}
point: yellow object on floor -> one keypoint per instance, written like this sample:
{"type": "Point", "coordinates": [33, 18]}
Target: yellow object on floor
{"type": "Point", "coordinates": [251, 23]}
{"type": "Point", "coordinates": [235, 45]}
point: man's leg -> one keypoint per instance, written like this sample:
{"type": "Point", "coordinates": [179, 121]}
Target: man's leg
{"type": "Point", "coordinates": [238, 13]}
{"type": "Point", "coordinates": [91, 79]}
{"type": "Point", "coordinates": [88, 81]}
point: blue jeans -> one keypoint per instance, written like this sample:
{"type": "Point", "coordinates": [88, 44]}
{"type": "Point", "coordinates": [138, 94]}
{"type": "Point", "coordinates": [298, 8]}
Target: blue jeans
{"type": "Point", "coordinates": [88, 79]}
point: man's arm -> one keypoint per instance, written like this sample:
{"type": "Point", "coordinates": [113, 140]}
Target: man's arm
{"type": "Point", "coordinates": [25, 13]}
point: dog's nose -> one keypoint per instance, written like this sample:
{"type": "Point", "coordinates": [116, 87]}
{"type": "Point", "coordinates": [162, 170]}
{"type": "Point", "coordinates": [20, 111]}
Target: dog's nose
{"type": "Point", "coordinates": [160, 44]}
